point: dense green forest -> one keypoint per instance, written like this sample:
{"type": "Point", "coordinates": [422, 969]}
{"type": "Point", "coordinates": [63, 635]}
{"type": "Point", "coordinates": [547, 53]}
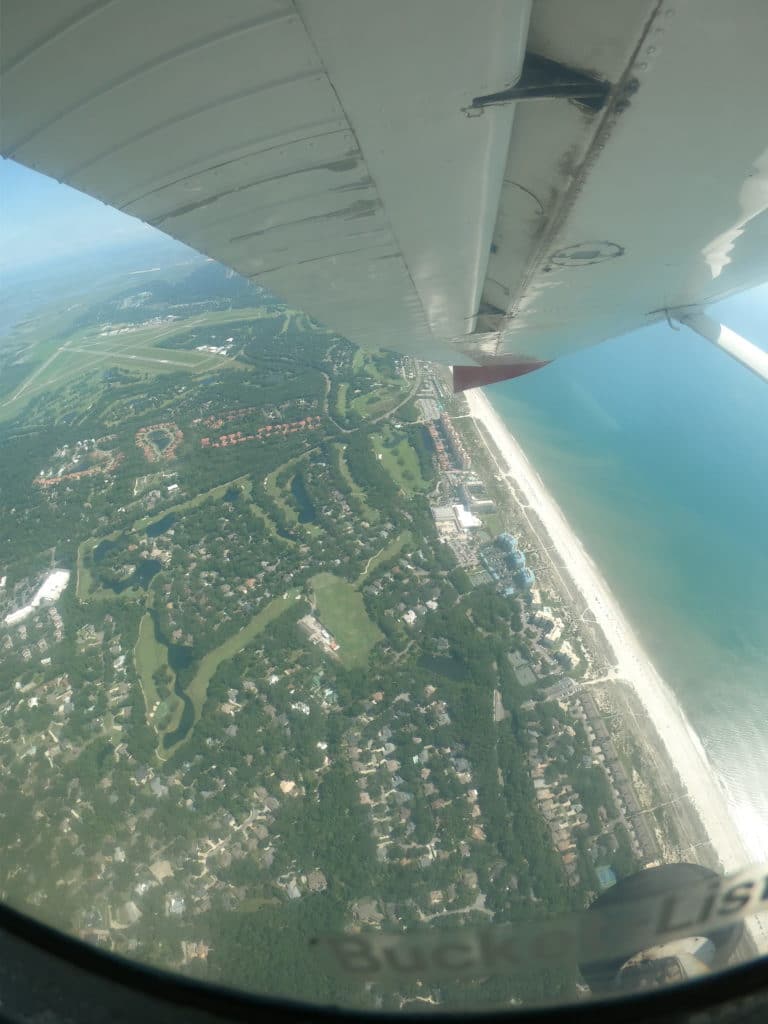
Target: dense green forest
{"type": "Point", "coordinates": [186, 759]}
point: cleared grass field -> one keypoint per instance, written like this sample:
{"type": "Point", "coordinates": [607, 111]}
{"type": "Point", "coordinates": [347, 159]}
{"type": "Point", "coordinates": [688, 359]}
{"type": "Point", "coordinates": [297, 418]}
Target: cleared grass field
{"type": "Point", "coordinates": [356, 492]}
{"type": "Point", "coordinates": [341, 610]}
{"type": "Point", "coordinates": [278, 493]}
{"type": "Point", "coordinates": [365, 362]}
{"type": "Point", "coordinates": [73, 362]}
{"type": "Point", "coordinates": [379, 401]}
{"type": "Point", "coordinates": [85, 583]}
{"type": "Point", "coordinates": [341, 399]}
{"type": "Point", "coordinates": [149, 655]}
{"type": "Point", "coordinates": [197, 691]}
{"type": "Point", "coordinates": [53, 362]}
{"type": "Point", "coordinates": [87, 589]}
{"type": "Point", "coordinates": [394, 547]}
{"type": "Point", "coordinates": [399, 459]}
{"type": "Point", "coordinates": [216, 493]}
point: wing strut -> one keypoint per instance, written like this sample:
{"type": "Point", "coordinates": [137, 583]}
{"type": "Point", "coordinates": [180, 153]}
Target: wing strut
{"type": "Point", "coordinates": [745, 352]}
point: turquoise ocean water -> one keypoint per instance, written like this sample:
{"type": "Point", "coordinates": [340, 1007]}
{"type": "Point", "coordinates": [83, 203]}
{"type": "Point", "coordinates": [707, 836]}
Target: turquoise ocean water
{"type": "Point", "coordinates": [656, 447]}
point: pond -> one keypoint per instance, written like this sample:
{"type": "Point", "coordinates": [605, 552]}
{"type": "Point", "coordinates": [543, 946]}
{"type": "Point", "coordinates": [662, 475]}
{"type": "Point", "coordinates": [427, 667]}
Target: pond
{"type": "Point", "coordinates": [101, 550]}
{"type": "Point", "coordinates": [180, 657]}
{"type": "Point", "coordinates": [449, 668]}
{"type": "Point", "coordinates": [145, 572]}
{"type": "Point", "coordinates": [160, 439]}
{"type": "Point", "coordinates": [303, 501]}
{"type": "Point", "coordinates": [104, 755]}
{"type": "Point", "coordinates": [155, 529]}
{"type": "Point", "coordinates": [141, 576]}
{"type": "Point", "coordinates": [186, 721]}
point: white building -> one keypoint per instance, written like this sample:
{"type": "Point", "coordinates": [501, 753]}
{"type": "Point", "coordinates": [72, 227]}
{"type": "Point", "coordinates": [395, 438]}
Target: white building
{"type": "Point", "coordinates": [465, 520]}
{"type": "Point", "coordinates": [51, 589]}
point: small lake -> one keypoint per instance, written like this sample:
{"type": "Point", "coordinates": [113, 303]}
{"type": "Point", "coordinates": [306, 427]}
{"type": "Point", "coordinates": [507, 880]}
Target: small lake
{"type": "Point", "coordinates": [102, 549]}
{"type": "Point", "coordinates": [449, 668]}
{"type": "Point", "coordinates": [180, 657]}
{"type": "Point", "coordinates": [303, 501]}
{"type": "Point", "coordinates": [104, 755]}
{"type": "Point", "coordinates": [155, 529]}
{"type": "Point", "coordinates": [141, 576]}
{"type": "Point", "coordinates": [146, 572]}
{"type": "Point", "coordinates": [160, 439]}
{"type": "Point", "coordinates": [186, 721]}
{"type": "Point", "coordinates": [232, 494]}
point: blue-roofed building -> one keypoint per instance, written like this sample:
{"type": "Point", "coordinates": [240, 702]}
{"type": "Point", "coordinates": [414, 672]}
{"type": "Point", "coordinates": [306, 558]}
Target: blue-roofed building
{"type": "Point", "coordinates": [516, 560]}
{"type": "Point", "coordinates": [507, 541]}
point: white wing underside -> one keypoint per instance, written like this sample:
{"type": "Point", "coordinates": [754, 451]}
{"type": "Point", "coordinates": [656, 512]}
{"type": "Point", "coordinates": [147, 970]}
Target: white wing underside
{"type": "Point", "coordinates": [324, 148]}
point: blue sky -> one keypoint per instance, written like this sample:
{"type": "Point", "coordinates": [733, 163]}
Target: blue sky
{"type": "Point", "coordinates": [41, 220]}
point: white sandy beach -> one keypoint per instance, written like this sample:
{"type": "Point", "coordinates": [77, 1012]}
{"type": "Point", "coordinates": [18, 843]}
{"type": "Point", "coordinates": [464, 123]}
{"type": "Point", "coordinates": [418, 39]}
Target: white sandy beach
{"type": "Point", "coordinates": [633, 665]}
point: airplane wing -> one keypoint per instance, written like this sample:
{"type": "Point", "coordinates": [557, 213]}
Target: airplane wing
{"type": "Point", "coordinates": [496, 182]}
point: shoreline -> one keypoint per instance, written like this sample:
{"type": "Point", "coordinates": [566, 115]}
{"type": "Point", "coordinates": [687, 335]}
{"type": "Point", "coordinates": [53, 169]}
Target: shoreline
{"type": "Point", "coordinates": [633, 666]}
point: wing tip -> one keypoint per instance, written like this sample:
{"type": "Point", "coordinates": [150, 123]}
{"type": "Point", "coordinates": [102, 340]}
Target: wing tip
{"type": "Point", "coordinates": [467, 377]}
